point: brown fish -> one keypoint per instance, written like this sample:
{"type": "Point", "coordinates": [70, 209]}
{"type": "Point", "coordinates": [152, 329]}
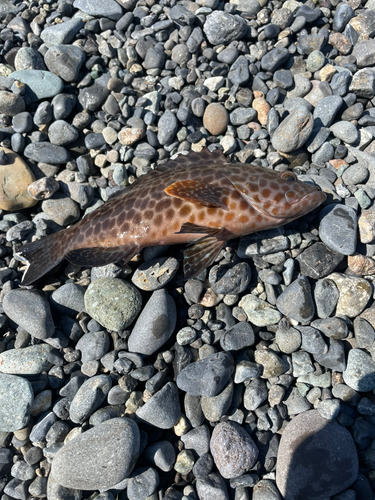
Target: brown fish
{"type": "Point", "coordinates": [198, 198]}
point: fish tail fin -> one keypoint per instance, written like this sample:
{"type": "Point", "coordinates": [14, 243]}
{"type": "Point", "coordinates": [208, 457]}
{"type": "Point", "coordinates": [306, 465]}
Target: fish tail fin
{"type": "Point", "coordinates": [42, 256]}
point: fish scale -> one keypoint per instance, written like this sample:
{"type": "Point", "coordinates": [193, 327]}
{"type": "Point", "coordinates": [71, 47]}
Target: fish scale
{"type": "Point", "coordinates": [197, 198]}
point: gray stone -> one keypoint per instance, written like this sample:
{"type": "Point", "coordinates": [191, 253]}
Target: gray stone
{"type": "Point", "coordinates": [345, 131]}
{"type": "Point", "coordinates": [326, 110]}
{"type": "Point", "coordinates": [62, 133]}
{"type": "Point", "coordinates": [222, 27]}
{"type": "Point", "coordinates": [162, 410]}
{"type": "Point", "coordinates": [338, 228]}
{"type": "Point", "coordinates": [312, 447]}
{"type": "Point", "coordinates": [11, 104]}
{"type": "Point", "coordinates": [162, 455]}
{"type": "Point", "coordinates": [206, 377]}
{"type": "Point", "coordinates": [80, 462]}
{"type": "Point", "coordinates": [360, 371]}
{"type": "Point", "coordinates": [113, 303]}
{"type": "Point", "coordinates": [45, 152]}
{"type": "Point", "coordinates": [167, 128]}
{"type": "Point", "coordinates": [61, 33]}
{"type": "Point", "coordinates": [296, 301]}
{"type": "Point", "coordinates": [89, 397]}
{"type": "Point", "coordinates": [28, 58]}
{"type": "Point", "coordinates": [109, 9]}
{"type": "Point", "coordinates": [155, 324]}
{"type": "Point", "coordinates": [14, 410]}
{"type": "Point", "coordinates": [30, 310]}
{"type": "Point", "coordinates": [27, 360]}
{"type": "Point", "coordinates": [293, 132]}
{"type": "Point", "coordinates": [39, 84]}
{"type": "Point", "coordinates": [212, 486]}
{"type": "Point", "coordinates": [142, 483]}
{"type": "Point", "coordinates": [65, 61]}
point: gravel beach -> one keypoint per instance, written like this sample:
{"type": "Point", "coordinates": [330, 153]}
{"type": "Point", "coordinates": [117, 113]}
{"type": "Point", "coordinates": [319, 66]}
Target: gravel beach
{"type": "Point", "coordinates": [254, 380]}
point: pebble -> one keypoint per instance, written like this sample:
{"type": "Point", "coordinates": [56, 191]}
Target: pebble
{"type": "Point", "coordinates": [222, 27]}
{"type": "Point", "coordinates": [45, 152]}
{"type": "Point", "coordinates": [31, 311]}
{"type": "Point", "coordinates": [17, 176]}
{"type": "Point", "coordinates": [113, 303]}
{"type": "Point", "coordinates": [258, 311]}
{"type": "Point", "coordinates": [338, 228]}
{"type": "Point", "coordinates": [162, 455]}
{"type": "Point", "coordinates": [39, 84]}
{"type": "Point", "coordinates": [14, 411]}
{"type": "Point", "coordinates": [359, 373]}
{"type": "Point", "coordinates": [72, 469]}
{"type": "Point", "coordinates": [296, 301]}
{"type": "Point", "coordinates": [62, 133]}
{"type": "Point", "coordinates": [206, 377]}
{"type": "Point", "coordinates": [89, 397]}
{"type": "Point", "coordinates": [155, 324]}
{"type": "Point", "coordinates": [162, 410]}
{"type": "Point", "coordinates": [30, 360]}
{"type": "Point", "coordinates": [142, 483]}
{"type": "Point", "coordinates": [68, 299]}
{"type": "Point", "coordinates": [317, 435]}
{"type": "Point", "coordinates": [111, 10]}
{"type": "Point", "coordinates": [215, 118]}
{"type": "Point", "coordinates": [354, 294]}
{"type": "Point", "coordinates": [155, 273]}
{"type": "Point", "coordinates": [233, 450]}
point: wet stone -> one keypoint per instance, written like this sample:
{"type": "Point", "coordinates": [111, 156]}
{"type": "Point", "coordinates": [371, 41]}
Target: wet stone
{"type": "Point", "coordinates": [233, 450]}
{"type": "Point", "coordinates": [206, 377]}
{"type": "Point", "coordinates": [113, 303]}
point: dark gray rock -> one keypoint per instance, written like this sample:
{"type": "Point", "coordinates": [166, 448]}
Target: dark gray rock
{"type": "Point", "coordinates": [162, 410]}
{"type": "Point", "coordinates": [222, 27]}
{"type": "Point", "coordinates": [296, 301]}
{"type": "Point", "coordinates": [338, 228]}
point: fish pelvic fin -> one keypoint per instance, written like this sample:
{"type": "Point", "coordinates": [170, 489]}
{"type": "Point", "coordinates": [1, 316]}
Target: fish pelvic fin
{"type": "Point", "coordinates": [204, 251]}
{"type": "Point", "coordinates": [101, 256]}
{"type": "Point", "coordinates": [42, 256]}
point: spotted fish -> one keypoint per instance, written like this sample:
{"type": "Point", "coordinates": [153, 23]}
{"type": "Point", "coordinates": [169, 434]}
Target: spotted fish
{"type": "Point", "coordinates": [201, 199]}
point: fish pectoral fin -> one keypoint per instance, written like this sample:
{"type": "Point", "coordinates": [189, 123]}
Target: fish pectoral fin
{"type": "Point", "coordinates": [188, 227]}
{"type": "Point", "coordinates": [101, 256]}
{"type": "Point", "coordinates": [200, 255]}
{"type": "Point", "coordinates": [199, 192]}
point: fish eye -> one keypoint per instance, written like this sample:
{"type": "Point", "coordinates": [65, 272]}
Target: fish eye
{"type": "Point", "coordinates": [288, 176]}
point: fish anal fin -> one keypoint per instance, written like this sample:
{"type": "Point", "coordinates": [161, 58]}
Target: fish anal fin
{"type": "Point", "coordinates": [101, 256]}
{"type": "Point", "coordinates": [199, 192]}
{"type": "Point", "coordinates": [200, 255]}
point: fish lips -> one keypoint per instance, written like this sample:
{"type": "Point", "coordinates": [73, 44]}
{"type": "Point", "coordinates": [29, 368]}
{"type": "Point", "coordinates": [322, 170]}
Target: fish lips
{"type": "Point", "coordinates": [310, 201]}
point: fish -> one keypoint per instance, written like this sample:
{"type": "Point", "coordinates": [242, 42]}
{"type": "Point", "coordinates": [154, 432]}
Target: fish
{"type": "Point", "coordinates": [200, 199]}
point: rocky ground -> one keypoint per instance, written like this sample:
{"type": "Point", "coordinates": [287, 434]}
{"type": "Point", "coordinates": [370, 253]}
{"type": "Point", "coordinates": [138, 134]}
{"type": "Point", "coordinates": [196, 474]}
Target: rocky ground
{"type": "Point", "coordinates": [254, 380]}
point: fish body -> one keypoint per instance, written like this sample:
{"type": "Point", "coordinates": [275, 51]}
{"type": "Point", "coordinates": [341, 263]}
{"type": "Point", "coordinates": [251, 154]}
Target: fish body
{"type": "Point", "coordinates": [197, 198]}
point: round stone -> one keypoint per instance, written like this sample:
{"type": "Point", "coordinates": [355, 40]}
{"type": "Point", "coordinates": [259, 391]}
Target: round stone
{"type": "Point", "coordinates": [316, 458]}
{"type": "Point", "coordinates": [79, 464]}
{"type": "Point", "coordinates": [62, 133]}
{"type": "Point", "coordinates": [215, 118]}
{"type": "Point", "coordinates": [233, 450]}
{"type": "Point", "coordinates": [113, 303]}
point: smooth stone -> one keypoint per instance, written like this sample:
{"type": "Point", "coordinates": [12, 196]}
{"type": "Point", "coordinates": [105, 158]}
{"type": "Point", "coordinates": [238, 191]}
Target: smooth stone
{"type": "Point", "coordinates": [111, 9]}
{"type": "Point", "coordinates": [360, 371]}
{"type": "Point", "coordinates": [65, 61]}
{"type": "Point", "coordinates": [161, 454]}
{"type": "Point", "coordinates": [63, 105]}
{"type": "Point", "coordinates": [155, 324]}
{"type": "Point", "coordinates": [39, 84]}
{"type": "Point", "coordinates": [215, 118]}
{"type": "Point", "coordinates": [318, 260]}
{"type": "Point", "coordinates": [167, 128]}
{"type": "Point", "coordinates": [14, 410]}
{"type": "Point", "coordinates": [238, 337]}
{"type": "Point", "coordinates": [11, 104]}
{"type": "Point", "coordinates": [31, 311]}
{"type": "Point", "coordinates": [214, 408]}
{"type": "Point", "coordinates": [93, 346]}
{"type": "Point", "coordinates": [233, 450]}
{"type": "Point", "coordinates": [62, 33]}
{"type": "Point", "coordinates": [93, 97]}
{"type": "Point", "coordinates": [61, 209]}
{"type": "Point", "coordinates": [79, 464]}
{"type": "Point", "coordinates": [68, 299]}
{"type": "Point", "coordinates": [142, 483]}
{"type": "Point", "coordinates": [326, 110]}
{"type": "Point", "coordinates": [162, 410]}
{"type": "Point", "coordinates": [89, 397]}
{"type": "Point", "coordinates": [338, 228]}
{"type": "Point", "coordinates": [206, 377]}
{"type": "Point", "coordinates": [272, 364]}
{"type": "Point", "coordinates": [355, 294]}
{"type": "Point", "coordinates": [31, 360]}
{"type": "Point", "coordinates": [44, 152]}
{"type": "Point", "coordinates": [113, 303]}
{"type": "Point", "coordinates": [228, 279]}
{"type": "Point", "coordinates": [258, 311]}
{"type": "Point", "coordinates": [62, 133]}
{"type": "Point", "coordinates": [28, 58]}
{"type": "Point", "coordinates": [212, 486]}
{"type": "Point", "coordinates": [313, 447]}
{"type": "Point", "coordinates": [345, 131]}
{"type": "Point", "coordinates": [16, 176]}
{"type": "Point", "coordinates": [293, 132]}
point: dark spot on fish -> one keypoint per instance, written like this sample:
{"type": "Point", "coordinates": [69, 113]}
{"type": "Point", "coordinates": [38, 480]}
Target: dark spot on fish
{"type": "Point", "coordinates": [243, 219]}
{"type": "Point", "coordinates": [169, 214]}
{"type": "Point", "coordinates": [278, 197]}
{"type": "Point", "coordinates": [266, 193]}
{"type": "Point", "coordinates": [148, 214]}
{"type": "Point", "coordinates": [201, 215]}
{"type": "Point", "coordinates": [158, 220]}
{"type": "Point", "coordinates": [244, 205]}
{"type": "Point", "coordinates": [177, 202]}
{"type": "Point", "coordinates": [274, 186]}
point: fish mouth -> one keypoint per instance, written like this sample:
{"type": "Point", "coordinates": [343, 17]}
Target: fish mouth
{"type": "Point", "coordinates": [311, 200]}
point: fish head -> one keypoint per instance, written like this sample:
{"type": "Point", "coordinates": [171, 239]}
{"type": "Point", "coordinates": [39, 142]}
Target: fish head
{"type": "Point", "coordinates": [281, 195]}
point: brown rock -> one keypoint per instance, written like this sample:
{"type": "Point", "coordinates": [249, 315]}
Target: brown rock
{"type": "Point", "coordinates": [366, 225]}
{"type": "Point", "coordinates": [129, 136]}
{"type": "Point", "coordinates": [215, 118]}
{"type": "Point", "coordinates": [263, 108]}
{"type": "Point", "coordinates": [341, 43]}
{"type": "Point", "coordinates": [337, 163]}
{"type": "Point", "coordinates": [15, 178]}
{"type": "Point", "coordinates": [43, 188]}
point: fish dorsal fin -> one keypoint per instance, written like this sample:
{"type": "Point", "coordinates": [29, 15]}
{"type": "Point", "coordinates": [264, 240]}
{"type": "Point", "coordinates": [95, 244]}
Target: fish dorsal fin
{"type": "Point", "coordinates": [193, 159]}
{"type": "Point", "coordinates": [199, 192]}
{"type": "Point", "coordinates": [101, 256]}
